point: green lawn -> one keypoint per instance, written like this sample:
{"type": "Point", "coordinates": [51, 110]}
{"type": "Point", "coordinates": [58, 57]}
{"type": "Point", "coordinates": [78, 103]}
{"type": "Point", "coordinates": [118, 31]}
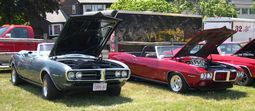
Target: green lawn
{"type": "Point", "coordinates": [135, 96]}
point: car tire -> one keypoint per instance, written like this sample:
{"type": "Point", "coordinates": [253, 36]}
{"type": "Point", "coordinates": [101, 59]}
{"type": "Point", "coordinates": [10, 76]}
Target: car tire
{"type": "Point", "coordinates": [114, 91]}
{"type": "Point", "coordinates": [15, 78]}
{"type": "Point", "coordinates": [246, 80]}
{"type": "Point", "coordinates": [177, 83]}
{"type": "Point", "coordinates": [49, 91]}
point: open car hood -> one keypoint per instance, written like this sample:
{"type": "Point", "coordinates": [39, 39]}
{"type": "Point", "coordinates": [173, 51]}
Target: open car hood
{"type": "Point", "coordinates": [85, 34]}
{"type": "Point", "coordinates": [212, 39]}
{"type": "Point", "coordinates": [248, 48]}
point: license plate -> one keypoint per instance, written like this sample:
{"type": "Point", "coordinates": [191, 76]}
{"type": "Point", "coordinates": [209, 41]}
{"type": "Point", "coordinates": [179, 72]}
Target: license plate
{"type": "Point", "coordinates": [99, 86]}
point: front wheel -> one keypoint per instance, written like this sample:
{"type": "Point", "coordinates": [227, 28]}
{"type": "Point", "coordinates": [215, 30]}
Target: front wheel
{"type": "Point", "coordinates": [114, 91]}
{"type": "Point", "coordinates": [49, 91]}
{"type": "Point", "coordinates": [15, 78]}
{"type": "Point", "coordinates": [177, 83]}
{"type": "Point", "coordinates": [246, 80]}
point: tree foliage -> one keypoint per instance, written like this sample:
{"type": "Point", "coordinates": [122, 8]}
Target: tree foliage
{"type": "Point", "coordinates": [208, 8]}
{"type": "Point", "coordinates": [21, 11]}
{"type": "Point", "coordinates": [212, 8]}
{"type": "Point", "coordinates": [144, 5]}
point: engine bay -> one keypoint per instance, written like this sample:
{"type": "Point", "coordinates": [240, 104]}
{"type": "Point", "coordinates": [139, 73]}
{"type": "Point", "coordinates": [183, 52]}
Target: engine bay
{"type": "Point", "coordinates": [204, 63]}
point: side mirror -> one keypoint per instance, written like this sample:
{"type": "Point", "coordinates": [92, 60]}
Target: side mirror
{"type": "Point", "coordinates": [8, 35]}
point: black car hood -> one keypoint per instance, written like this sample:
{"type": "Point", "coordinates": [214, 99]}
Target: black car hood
{"type": "Point", "coordinates": [85, 34]}
{"type": "Point", "coordinates": [248, 48]}
{"type": "Point", "coordinates": [212, 38]}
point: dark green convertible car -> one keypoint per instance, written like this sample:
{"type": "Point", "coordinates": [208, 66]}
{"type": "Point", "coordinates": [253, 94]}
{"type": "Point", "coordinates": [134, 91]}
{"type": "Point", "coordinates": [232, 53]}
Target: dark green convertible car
{"type": "Point", "coordinates": [73, 62]}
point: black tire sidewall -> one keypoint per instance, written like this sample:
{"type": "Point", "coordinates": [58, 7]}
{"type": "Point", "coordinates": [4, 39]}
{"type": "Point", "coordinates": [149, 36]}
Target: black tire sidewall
{"type": "Point", "coordinates": [18, 80]}
{"type": "Point", "coordinates": [52, 92]}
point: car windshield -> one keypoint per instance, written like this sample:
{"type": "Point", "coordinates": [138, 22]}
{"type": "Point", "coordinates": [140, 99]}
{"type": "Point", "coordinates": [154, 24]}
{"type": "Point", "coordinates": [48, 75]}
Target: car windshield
{"type": "Point", "coordinates": [2, 30]}
{"type": "Point", "coordinates": [229, 48]}
{"type": "Point", "coordinates": [225, 48]}
{"type": "Point", "coordinates": [167, 51]}
{"type": "Point", "coordinates": [44, 49]}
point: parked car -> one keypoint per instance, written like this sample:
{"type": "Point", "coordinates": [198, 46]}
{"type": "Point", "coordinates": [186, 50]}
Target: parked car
{"type": "Point", "coordinates": [244, 57]}
{"type": "Point", "coordinates": [232, 52]}
{"type": "Point", "coordinates": [14, 38]}
{"type": "Point", "coordinates": [181, 68]}
{"type": "Point", "coordinates": [247, 50]}
{"type": "Point", "coordinates": [73, 62]}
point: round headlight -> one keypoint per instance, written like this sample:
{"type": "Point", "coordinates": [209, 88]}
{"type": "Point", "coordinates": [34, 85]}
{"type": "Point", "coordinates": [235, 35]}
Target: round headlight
{"type": "Point", "coordinates": [117, 73]}
{"type": "Point", "coordinates": [71, 75]}
{"type": "Point", "coordinates": [209, 75]}
{"type": "Point", "coordinates": [124, 74]}
{"type": "Point", "coordinates": [78, 75]}
{"type": "Point", "coordinates": [203, 76]}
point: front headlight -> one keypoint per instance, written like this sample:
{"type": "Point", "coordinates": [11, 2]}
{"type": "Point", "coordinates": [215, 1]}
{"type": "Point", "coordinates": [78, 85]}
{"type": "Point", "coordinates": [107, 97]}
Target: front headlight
{"type": "Point", "coordinates": [124, 74]}
{"type": "Point", "coordinates": [117, 74]}
{"type": "Point", "coordinates": [209, 75]}
{"type": "Point", "coordinates": [78, 75]}
{"type": "Point", "coordinates": [71, 75]}
{"type": "Point", "coordinates": [205, 76]}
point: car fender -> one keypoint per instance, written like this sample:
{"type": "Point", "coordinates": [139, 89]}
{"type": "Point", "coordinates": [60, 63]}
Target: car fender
{"type": "Point", "coordinates": [171, 72]}
{"type": "Point", "coordinates": [47, 72]}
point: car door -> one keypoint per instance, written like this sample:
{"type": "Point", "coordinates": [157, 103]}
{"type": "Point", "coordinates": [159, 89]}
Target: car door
{"type": "Point", "coordinates": [21, 39]}
{"type": "Point", "coordinates": [34, 68]}
{"type": "Point", "coordinates": [22, 65]}
{"type": "Point", "coordinates": [147, 64]}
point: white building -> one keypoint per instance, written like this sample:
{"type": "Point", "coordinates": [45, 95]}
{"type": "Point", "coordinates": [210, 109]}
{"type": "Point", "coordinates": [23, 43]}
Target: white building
{"type": "Point", "coordinates": [245, 8]}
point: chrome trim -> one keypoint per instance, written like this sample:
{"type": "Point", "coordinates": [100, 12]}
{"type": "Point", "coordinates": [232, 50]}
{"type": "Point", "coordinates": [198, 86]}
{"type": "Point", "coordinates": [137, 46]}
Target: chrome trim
{"type": "Point", "coordinates": [247, 69]}
{"type": "Point", "coordinates": [227, 79]}
{"type": "Point", "coordinates": [102, 74]}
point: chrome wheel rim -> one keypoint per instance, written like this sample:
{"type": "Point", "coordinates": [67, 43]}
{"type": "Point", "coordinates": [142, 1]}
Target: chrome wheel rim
{"type": "Point", "coordinates": [45, 88]}
{"type": "Point", "coordinates": [13, 76]}
{"type": "Point", "coordinates": [244, 80]}
{"type": "Point", "coordinates": [176, 83]}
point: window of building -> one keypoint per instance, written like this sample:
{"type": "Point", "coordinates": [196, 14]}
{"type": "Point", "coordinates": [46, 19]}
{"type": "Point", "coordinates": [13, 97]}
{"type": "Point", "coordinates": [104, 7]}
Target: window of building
{"type": "Point", "coordinates": [245, 11]}
{"type": "Point", "coordinates": [19, 33]}
{"type": "Point", "coordinates": [93, 7]}
{"type": "Point", "coordinates": [252, 11]}
{"type": "Point", "coordinates": [55, 29]}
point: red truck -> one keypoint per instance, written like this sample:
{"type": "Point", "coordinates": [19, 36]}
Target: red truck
{"type": "Point", "coordinates": [14, 38]}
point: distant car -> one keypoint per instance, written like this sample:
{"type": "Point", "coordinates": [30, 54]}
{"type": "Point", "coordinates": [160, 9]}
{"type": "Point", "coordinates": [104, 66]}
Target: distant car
{"type": "Point", "coordinates": [181, 68]}
{"type": "Point", "coordinates": [73, 62]}
{"type": "Point", "coordinates": [247, 50]}
{"type": "Point", "coordinates": [244, 57]}
{"type": "Point", "coordinates": [232, 52]}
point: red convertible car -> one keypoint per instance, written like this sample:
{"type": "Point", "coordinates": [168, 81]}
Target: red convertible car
{"type": "Point", "coordinates": [185, 69]}
{"type": "Point", "coordinates": [244, 57]}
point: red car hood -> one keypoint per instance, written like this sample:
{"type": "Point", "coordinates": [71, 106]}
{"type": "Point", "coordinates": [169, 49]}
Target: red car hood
{"type": "Point", "coordinates": [249, 47]}
{"type": "Point", "coordinates": [212, 38]}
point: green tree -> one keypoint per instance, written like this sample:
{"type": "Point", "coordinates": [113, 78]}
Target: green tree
{"type": "Point", "coordinates": [22, 11]}
{"type": "Point", "coordinates": [144, 5]}
{"type": "Point", "coordinates": [212, 8]}
{"type": "Point", "coordinates": [206, 8]}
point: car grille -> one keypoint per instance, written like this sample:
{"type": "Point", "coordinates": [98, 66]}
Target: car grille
{"type": "Point", "coordinates": [110, 74]}
{"type": "Point", "coordinates": [91, 75]}
{"type": "Point", "coordinates": [98, 75]}
{"type": "Point", "coordinates": [224, 76]}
